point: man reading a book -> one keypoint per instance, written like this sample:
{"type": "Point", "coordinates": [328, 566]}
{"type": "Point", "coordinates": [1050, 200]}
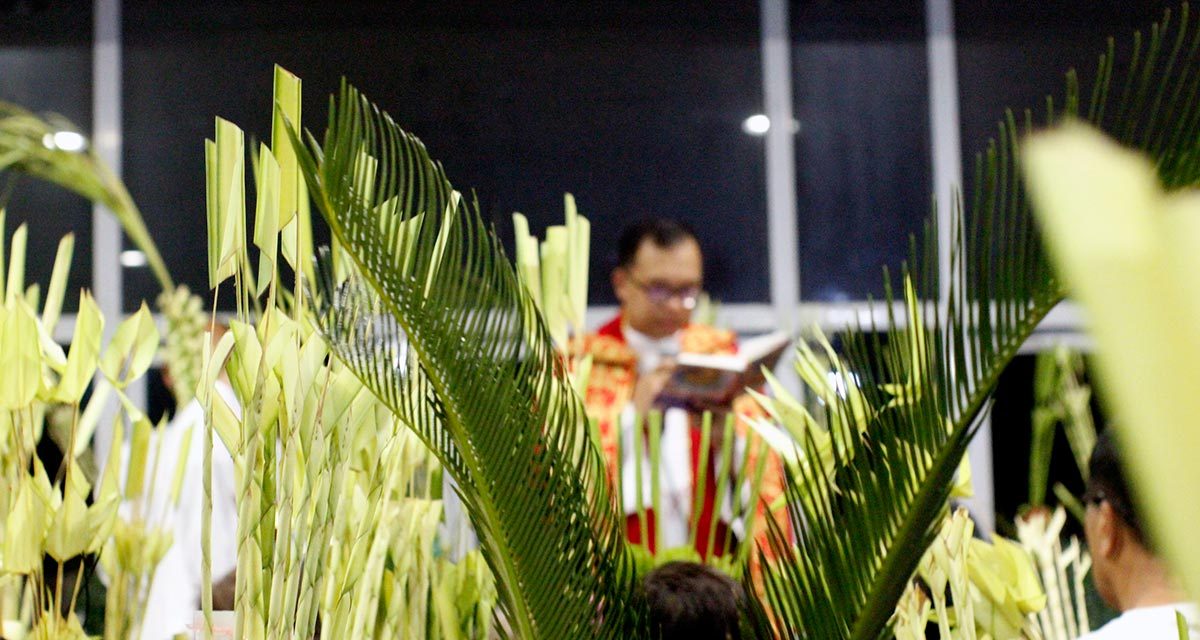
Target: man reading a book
{"type": "Point", "coordinates": [658, 280]}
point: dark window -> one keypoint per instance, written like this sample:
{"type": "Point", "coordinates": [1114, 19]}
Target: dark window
{"type": "Point", "coordinates": [46, 67]}
{"type": "Point", "coordinates": [634, 107]}
{"type": "Point", "coordinates": [859, 74]}
{"type": "Point", "coordinates": [1012, 54]}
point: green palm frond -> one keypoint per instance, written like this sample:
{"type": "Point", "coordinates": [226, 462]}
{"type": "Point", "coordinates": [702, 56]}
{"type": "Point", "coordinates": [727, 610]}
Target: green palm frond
{"type": "Point", "coordinates": [479, 379]}
{"type": "Point", "coordinates": [862, 530]}
{"type": "Point", "coordinates": [27, 147]}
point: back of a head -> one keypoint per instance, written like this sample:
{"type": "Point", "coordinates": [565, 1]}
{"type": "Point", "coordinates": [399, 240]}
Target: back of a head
{"type": "Point", "coordinates": [663, 232]}
{"type": "Point", "coordinates": [692, 601]}
{"type": "Point", "coordinates": [1106, 481]}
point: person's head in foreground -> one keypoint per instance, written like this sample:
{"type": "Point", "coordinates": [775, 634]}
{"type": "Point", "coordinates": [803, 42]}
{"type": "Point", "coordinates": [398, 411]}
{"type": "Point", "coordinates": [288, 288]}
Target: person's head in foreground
{"type": "Point", "coordinates": [1128, 574]}
{"type": "Point", "coordinates": [658, 276]}
{"type": "Point", "coordinates": [690, 601]}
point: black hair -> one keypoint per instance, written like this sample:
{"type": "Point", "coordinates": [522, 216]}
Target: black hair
{"type": "Point", "coordinates": [692, 601]}
{"type": "Point", "coordinates": [662, 232]}
{"type": "Point", "coordinates": [1106, 483]}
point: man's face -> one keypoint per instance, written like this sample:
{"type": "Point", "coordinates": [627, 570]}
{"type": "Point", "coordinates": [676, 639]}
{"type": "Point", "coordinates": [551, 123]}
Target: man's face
{"type": "Point", "coordinates": [658, 291]}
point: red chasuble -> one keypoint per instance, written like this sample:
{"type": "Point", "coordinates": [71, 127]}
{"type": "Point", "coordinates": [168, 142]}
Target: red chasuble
{"type": "Point", "coordinates": [610, 389]}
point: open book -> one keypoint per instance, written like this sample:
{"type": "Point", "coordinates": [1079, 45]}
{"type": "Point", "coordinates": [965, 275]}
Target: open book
{"type": "Point", "coordinates": [706, 381]}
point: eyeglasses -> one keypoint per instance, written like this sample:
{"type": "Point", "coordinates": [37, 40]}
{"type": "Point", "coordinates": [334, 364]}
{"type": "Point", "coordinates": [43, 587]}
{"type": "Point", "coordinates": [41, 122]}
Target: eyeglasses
{"type": "Point", "coordinates": [1093, 496]}
{"type": "Point", "coordinates": [662, 294]}
{"type": "Point", "coordinates": [1124, 511]}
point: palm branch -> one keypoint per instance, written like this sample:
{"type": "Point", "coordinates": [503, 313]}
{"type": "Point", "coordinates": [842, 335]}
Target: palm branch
{"type": "Point", "coordinates": [480, 380]}
{"type": "Point", "coordinates": [864, 527]}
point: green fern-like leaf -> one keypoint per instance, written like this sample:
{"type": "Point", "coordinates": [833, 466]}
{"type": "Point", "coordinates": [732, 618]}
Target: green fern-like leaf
{"type": "Point", "coordinates": [420, 301]}
{"type": "Point", "coordinates": [863, 530]}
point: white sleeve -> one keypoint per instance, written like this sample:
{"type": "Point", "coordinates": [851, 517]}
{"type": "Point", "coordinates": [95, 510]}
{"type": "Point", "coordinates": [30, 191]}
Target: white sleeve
{"type": "Point", "coordinates": [674, 478]}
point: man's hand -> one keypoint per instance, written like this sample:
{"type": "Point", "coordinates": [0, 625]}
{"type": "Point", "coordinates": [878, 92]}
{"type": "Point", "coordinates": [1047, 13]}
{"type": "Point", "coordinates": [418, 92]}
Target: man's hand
{"type": "Point", "coordinates": [650, 385]}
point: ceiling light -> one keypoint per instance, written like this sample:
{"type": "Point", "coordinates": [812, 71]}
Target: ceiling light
{"type": "Point", "coordinates": [65, 140]}
{"type": "Point", "coordinates": [756, 125]}
{"type": "Point", "coordinates": [132, 258]}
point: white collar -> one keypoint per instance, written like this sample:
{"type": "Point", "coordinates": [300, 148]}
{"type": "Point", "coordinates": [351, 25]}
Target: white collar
{"type": "Point", "coordinates": [650, 351]}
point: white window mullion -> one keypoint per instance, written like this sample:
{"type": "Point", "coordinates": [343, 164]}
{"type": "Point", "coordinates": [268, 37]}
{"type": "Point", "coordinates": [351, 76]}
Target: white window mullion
{"type": "Point", "coordinates": [944, 131]}
{"type": "Point", "coordinates": [106, 232]}
{"type": "Point", "coordinates": [780, 162]}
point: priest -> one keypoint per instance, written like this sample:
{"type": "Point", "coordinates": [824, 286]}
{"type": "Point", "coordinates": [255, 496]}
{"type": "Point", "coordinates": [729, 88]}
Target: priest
{"type": "Point", "coordinates": [658, 281]}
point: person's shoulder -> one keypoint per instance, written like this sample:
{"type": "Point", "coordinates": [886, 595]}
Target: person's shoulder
{"type": "Point", "coordinates": [702, 338]}
{"type": "Point", "coordinates": [603, 349]}
{"type": "Point", "coordinates": [1107, 632]}
{"type": "Point", "coordinates": [606, 345]}
{"type": "Point", "coordinates": [1115, 629]}
{"type": "Point", "coordinates": [1148, 623]}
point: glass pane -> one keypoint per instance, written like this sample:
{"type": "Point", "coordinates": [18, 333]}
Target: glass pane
{"type": "Point", "coordinates": [634, 108]}
{"type": "Point", "coordinates": [1014, 54]}
{"type": "Point", "coordinates": [859, 75]}
{"type": "Point", "coordinates": [46, 67]}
